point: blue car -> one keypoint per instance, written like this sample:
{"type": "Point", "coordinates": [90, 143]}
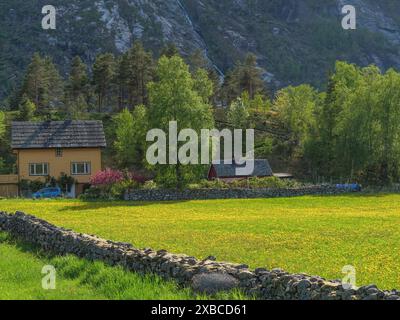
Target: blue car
{"type": "Point", "coordinates": [47, 193]}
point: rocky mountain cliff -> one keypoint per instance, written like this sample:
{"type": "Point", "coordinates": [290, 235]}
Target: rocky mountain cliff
{"type": "Point", "coordinates": [295, 40]}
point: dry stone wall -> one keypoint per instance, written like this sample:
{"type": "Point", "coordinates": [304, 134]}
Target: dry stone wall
{"type": "Point", "coordinates": [206, 275]}
{"type": "Point", "coordinates": [206, 194]}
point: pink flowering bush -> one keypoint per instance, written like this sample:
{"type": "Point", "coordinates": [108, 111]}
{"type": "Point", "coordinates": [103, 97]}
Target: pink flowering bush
{"type": "Point", "coordinates": [112, 184]}
{"type": "Point", "coordinates": [107, 177]}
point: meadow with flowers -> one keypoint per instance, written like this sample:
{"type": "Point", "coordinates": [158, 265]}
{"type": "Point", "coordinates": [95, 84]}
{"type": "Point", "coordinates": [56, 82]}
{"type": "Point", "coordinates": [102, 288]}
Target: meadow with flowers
{"type": "Point", "coordinates": [315, 235]}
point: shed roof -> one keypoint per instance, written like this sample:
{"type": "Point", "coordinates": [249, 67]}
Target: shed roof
{"type": "Point", "coordinates": [226, 170]}
{"type": "Point", "coordinates": [57, 134]}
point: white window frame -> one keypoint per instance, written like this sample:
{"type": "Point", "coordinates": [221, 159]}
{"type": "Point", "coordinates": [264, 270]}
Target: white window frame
{"type": "Point", "coordinates": [59, 152]}
{"type": "Point", "coordinates": [45, 169]}
{"type": "Point", "coordinates": [87, 168]}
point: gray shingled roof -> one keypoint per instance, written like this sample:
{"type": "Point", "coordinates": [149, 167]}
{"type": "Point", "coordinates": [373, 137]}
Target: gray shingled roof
{"type": "Point", "coordinates": [261, 169]}
{"type": "Point", "coordinates": [57, 134]}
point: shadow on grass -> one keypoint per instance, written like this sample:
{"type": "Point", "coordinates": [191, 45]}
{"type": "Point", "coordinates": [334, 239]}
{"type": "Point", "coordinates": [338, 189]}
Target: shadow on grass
{"type": "Point", "coordinates": [6, 238]}
{"type": "Point", "coordinates": [101, 204]}
{"type": "Point", "coordinates": [360, 195]}
{"type": "Point", "coordinates": [115, 282]}
{"type": "Point", "coordinates": [115, 204]}
{"type": "Point", "coordinates": [80, 205]}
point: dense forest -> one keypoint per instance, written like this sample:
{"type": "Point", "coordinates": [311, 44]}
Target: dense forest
{"type": "Point", "coordinates": [348, 133]}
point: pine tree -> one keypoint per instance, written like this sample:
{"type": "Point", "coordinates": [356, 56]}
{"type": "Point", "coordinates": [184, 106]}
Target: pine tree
{"type": "Point", "coordinates": [27, 109]}
{"type": "Point", "coordinates": [231, 89]}
{"type": "Point", "coordinates": [136, 71]}
{"type": "Point", "coordinates": [103, 76]}
{"type": "Point", "coordinates": [77, 90]}
{"type": "Point", "coordinates": [54, 88]}
{"type": "Point", "coordinates": [251, 77]}
{"type": "Point", "coordinates": [34, 82]}
{"type": "Point", "coordinates": [246, 76]}
{"type": "Point", "coordinates": [169, 50]}
{"type": "Point", "coordinates": [216, 81]}
{"type": "Point", "coordinates": [141, 73]}
{"type": "Point", "coordinates": [43, 85]}
{"type": "Point", "coordinates": [77, 109]}
{"type": "Point", "coordinates": [123, 74]}
{"type": "Point", "coordinates": [77, 84]}
{"type": "Point", "coordinates": [197, 60]}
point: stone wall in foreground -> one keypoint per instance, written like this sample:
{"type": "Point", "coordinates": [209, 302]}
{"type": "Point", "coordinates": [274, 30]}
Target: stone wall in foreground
{"type": "Point", "coordinates": [205, 275]}
{"type": "Point", "coordinates": [208, 194]}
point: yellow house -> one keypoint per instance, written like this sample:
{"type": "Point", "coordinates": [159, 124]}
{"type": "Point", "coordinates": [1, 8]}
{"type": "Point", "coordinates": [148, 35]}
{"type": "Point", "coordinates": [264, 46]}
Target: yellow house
{"type": "Point", "coordinates": [54, 148]}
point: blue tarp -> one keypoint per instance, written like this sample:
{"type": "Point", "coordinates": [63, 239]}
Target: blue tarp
{"type": "Point", "coordinates": [349, 187]}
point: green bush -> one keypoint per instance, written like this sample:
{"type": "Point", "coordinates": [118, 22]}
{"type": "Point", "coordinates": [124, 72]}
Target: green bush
{"type": "Point", "coordinates": [93, 193]}
{"type": "Point", "coordinates": [65, 182]}
{"type": "Point", "coordinates": [273, 183]}
{"type": "Point", "coordinates": [213, 184]}
{"type": "Point", "coordinates": [114, 191]}
{"type": "Point", "coordinates": [118, 189]}
{"type": "Point", "coordinates": [251, 183]}
{"type": "Point", "coordinates": [32, 186]}
{"type": "Point", "coordinates": [150, 185]}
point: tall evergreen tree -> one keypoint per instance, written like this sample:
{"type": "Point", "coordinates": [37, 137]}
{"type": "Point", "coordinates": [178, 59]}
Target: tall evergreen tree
{"type": "Point", "coordinates": [197, 60]}
{"type": "Point", "coordinates": [217, 82]}
{"type": "Point", "coordinates": [169, 50]}
{"type": "Point", "coordinates": [251, 76]}
{"type": "Point", "coordinates": [27, 109]}
{"type": "Point", "coordinates": [104, 70]}
{"type": "Point", "coordinates": [54, 86]}
{"type": "Point", "coordinates": [245, 76]}
{"type": "Point", "coordinates": [122, 80]}
{"type": "Point", "coordinates": [43, 85]}
{"type": "Point", "coordinates": [34, 83]}
{"type": "Point", "coordinates": [78, 80]}
{"type": "Point", "coordinates": [77, 90]}
{"type": "Point", "coordinates": [135, 71]}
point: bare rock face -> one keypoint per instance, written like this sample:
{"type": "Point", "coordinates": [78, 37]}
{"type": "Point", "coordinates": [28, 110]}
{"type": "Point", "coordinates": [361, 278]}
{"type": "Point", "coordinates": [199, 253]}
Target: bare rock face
{"type": "Point", "coordinates": [307, 33]}
{"type": "Point", "coordinates": [211, 283]}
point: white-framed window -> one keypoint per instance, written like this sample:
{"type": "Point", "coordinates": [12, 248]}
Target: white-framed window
{"type": "Point", "coordinates": [59, 153]}
{"type": "Point", "coordinates": [80, 168]}
{"type": "Point", "coordinates": [38, 169]}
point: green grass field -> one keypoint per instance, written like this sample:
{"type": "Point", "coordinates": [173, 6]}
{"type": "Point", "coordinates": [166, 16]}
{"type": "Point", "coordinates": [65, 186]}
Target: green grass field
{"type": "Point", "coordinates": [316, 235]}
{"type": "Point", "coordinates": [79, 279]}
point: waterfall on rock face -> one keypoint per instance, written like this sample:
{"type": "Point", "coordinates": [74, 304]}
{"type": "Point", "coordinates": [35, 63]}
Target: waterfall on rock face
{"type": "Point", "coordinates": [206, 52]}
{"type": "Point", "coordinates": [295, 41]}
